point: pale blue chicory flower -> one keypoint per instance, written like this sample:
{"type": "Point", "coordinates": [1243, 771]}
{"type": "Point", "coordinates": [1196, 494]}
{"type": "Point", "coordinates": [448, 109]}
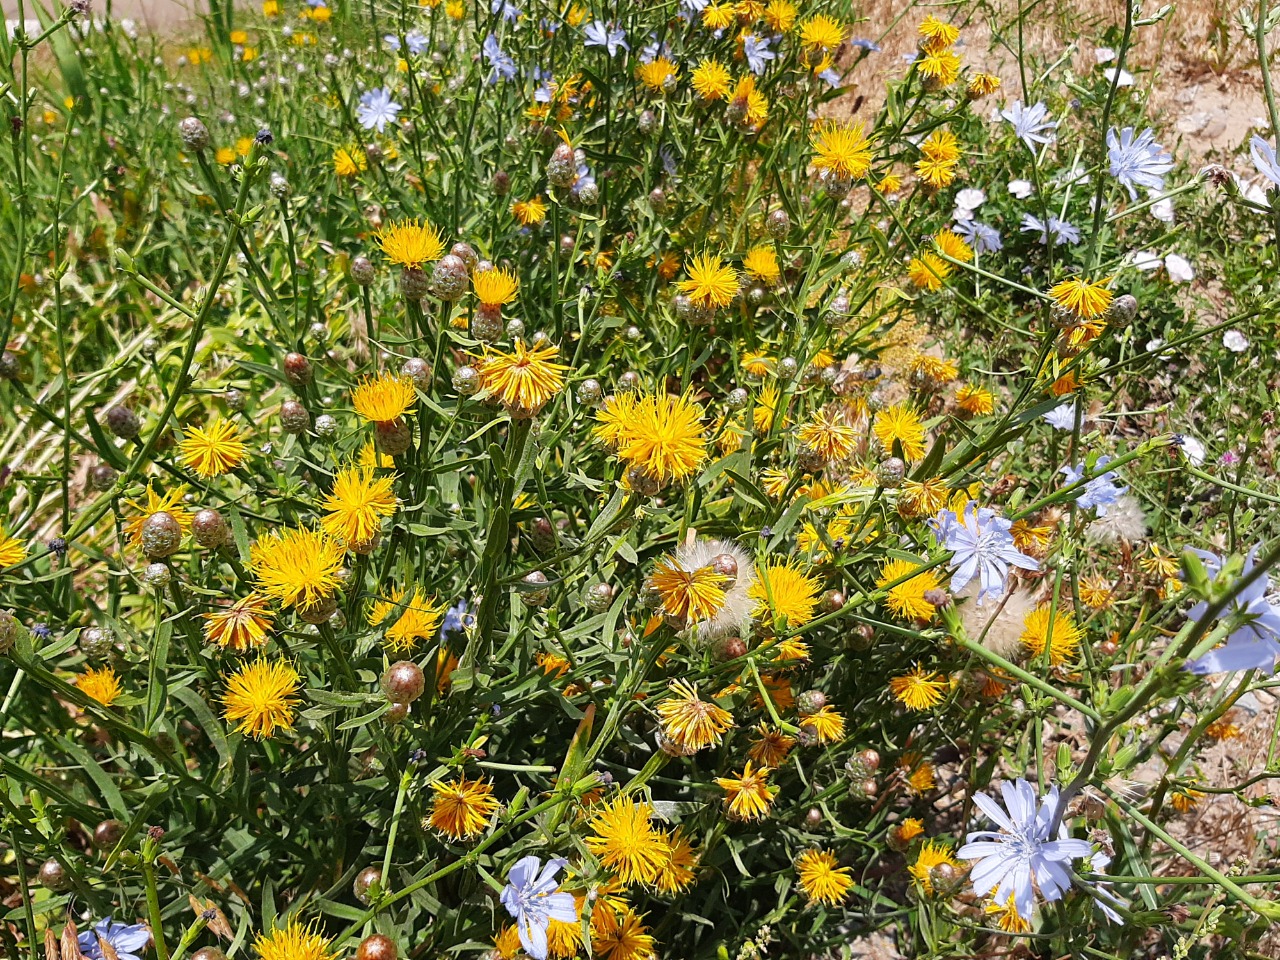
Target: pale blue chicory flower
{"type": "Point", "coordinates": [128, 940]}
{"type": "Point", "coordinates": [1062, 231]}
{"type": "Point", "coordinates": [533, 899]}
{"type": "Point", "coordinates": [1137, 161]}
{"type": "Point", "coordinates": [1255, 644]}
{"type": "Point", "coordinates": [504, 68]}
{"type": "Point", "coordinates": [1100, 492]}
{"type": "Point", "coordinates": [600, 34]}
{"type": "Point", "coordinates": [1031, 124]}
{"type": "Point", "coordinates": [1062, 417]}
{"type": "Point", "coordinates": [1104, 898]}
{"type": "Point", "coordinates": [415, 40]}
{"type": "Point", "coordinates": [1020, 858]}
{"type": "Point", "coordinates": [982, 237]}
{"type": "Point", "coordinates": [981, 546]}
{"type": "Point", "coordinates": [1264, 159]}
{"type": "Point", "coordinates": [377, 109]}
{"type": "Point", "coordinates": [507, 10]}
{"type": "Point", "coordinates": [757, 53]}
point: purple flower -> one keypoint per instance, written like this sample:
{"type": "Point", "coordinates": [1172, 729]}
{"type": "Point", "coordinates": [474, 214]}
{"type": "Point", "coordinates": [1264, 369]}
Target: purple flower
{"type": "Point", "coordinates": [1031, 124]}
{"type": "Point", "coordinates": [600, 34]}
{"type": "Point", "coordinates": [1019, 858]}
{"type": "Point", "coordinates": [981, 546]}
{"type": "Point", "coordinates": [1100, 492]}
{"type": "Point", "coordinates": [128, 940]}
{"type": "Point", "coordinates": [1137, 161]}
{"type": "Point", "coordinates": [531, 896]}
{"type": "Point", "coordinates": [1255, 644]}
{"type": "Point", "coordinates": [508, 11]}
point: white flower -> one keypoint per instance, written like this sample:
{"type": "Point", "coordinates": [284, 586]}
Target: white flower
{"type": "Point", "coordinates": [970, 199]}
{"type": "Point", "coordinates": [1162, 210]}
{"type": "Point", "coordinates": [1104, 55]}
{"type": "Point", "coordinates": [1154, 344]}
{"type": "Point", "coordinates": [1235, 341]}
{"type": "Point", "coordinates": [1180, 268]}
{"type": "Point", "coordinates": [1145, 260]}
{"type": "Point", "coordinates": [1021, 188]}
{"type": "Point", "coordinates": [1192, 449]}
{"type": "Point", "coordinates": [1126, 78]}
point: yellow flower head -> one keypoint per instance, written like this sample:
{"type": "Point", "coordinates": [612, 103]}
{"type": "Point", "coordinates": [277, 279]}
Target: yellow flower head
{"type": "Point", "coordinates": [212, 450]}
{"type": "Point", "coordinates": [461, 808]}
{"type": "Point", "coordinates": [748, 795]}
{"type": "Point", "coordinates": [170, 503]}
{"type": "Point", "coordinates": [297, 567]}
{"type": "Point", "coordinates": [765, 408]}
{"type": "Point", "coordinates": [780, 16]}
{"type": "Point", "coordinates": [1097, 593]}
{"type": "Point", "coordinates": [827, 435]}
{"type": "Point", "coordinates": [524, 380]}
{"type": "Point", "coordinates": [657, 73]}
{"type": "Point", "coordinates": [529, 212]}
{"type": "Point", "coordinates": [922, 498]}
{"type": "Point", "coordinates": [664, 439]}
{"type": "Point", "coordinates": [356, 505]}
{"type": "Point", "coordinates": [953, 246]}
{"type": "Point", "coordinates": [678, 872]}
{"type": "Point", "coordinates": [711, 80]}
{"type": "Point", "coordinates": [623, 837]}
{"type": "Point", "coordinates": [711, 283]}
{"type": "Point", "coordinates": [821, 880]}
{"type": "Point", "coordinates": [12, 551]}
{"type": "Point", "coordinates": [1059, 633]}
{"type": "Point", "coordinates": [717, 16]}
{"type": "Point", "coordinates": [689, 722]}
{"type": "Point", "coordinates": [688, 596]}
{"type": "Point", "coordinates": [293, 941]}
{"type": "Point", "coordinates": [349, 161]}
{"type": "Point", "coordinates": [843, 149]}
{"type": "Point", "coordinates": [1083, 299]}
{"type": "Point", "coordinates": [939, 66]}
{"type": "Point", "coordinates": [974, 400]}
{"type": "Point", "coordinates": [900, 425]}
{"type": "Point", "coordinates": [920, 689]}
{"type": "Point", "coordinates": [411, 243]}
{"type": "Point", "coordinates": [907, 599]}
{"type": "Point", "coordinates": [100, 684]}
{"type": "Point", "coordinates": [934, 32]}
{"type": "Point", "coordinates": [496, 287]}
{"type": "Point", "coordinates": [931, 856]}
{"type": "Point", "coordinates": [619, 934]}
{"type": "Point", "coordinates": [418, 619]}
{"type": "Point", "coordinates": [260, 697]}
{"type": "Point", "coordinates": [754, 104]}
{"type": "Point", "coordinates": [614, 417]}
{"type": "Point", "coordinates": [761, 262]}
{"type": "Point", "coordinates": [240, 626]}
{"type": "Point", "coordinates": [821, 33]}
{"type": "Point", "coordinates": [928, 271]}
{"type": "Point", "coordinates": [826, 724]}
{"type": "Point", "coordinates": [781, 590]}
{"type": "Point", "coordinates": [982, 85]}
{"type": "Point", "coordinates": [771, 746]}
{"type": "Point", "coordinates": [384, 399]}
{"type": "Point", "coordinates": [1007, 917]}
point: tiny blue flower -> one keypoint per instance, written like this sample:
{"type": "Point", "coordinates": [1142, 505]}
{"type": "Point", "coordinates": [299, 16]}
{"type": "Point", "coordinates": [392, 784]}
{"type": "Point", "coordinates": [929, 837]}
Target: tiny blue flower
{"type": "Point", "coordinates": [504, 68]}
{"type": "Point", "coordinates": [1031, 124]}
{"type": "Point", "coordinates": [1264, 159]}
{"type": "Point", "coordinates": [982, 237]}
{"type": "Point", "coordinates": [1100, 492]}
{"type": "Point", "coordinates": [377, 109]}
{"type": "Point", "coordinates": [600, 34]}
{"type": "Point", "coordinates": [1256, 643]}
{"type": "Point", "coordinates": [1062, 231]}
{"type": "Point", "coordinates": [1062, 417]}
{"type": "Point", "coordinates": [508, 11]}
{"type": "Point", "coordinates": [532, 897]}
{"type": "Point", "coordinates": [757, 53]}
{"type": "Point", "coordinates": [129, 940]}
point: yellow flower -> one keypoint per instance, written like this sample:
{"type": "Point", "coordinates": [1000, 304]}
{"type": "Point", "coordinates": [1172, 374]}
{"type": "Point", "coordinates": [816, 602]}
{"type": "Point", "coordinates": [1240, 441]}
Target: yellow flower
{"type": "Point", "coordinates": [240, 626]}
{"type": "Point", "coordinates": [349, 161]}
{"type": "Point", "coordinates": [941, 145]}
{"type": "Point", "coordinates": [1007, 917]}
{"type": "Point", "coordinates": [974, 400]}
{"type": "Point", "coordinates": [765, 408]}
{"type": "Point", "coordinates": [711, 283]}
{"type": "Point", "coordinates": [928, 271]}
{"type": "Point", "coordinates": [495, 287]}
{"type": "Point", "coordinates": [620, 935]}
{"type": "Point", "coordinates": [922, 498]}
{"type": "Point", "coordinates": [909, 829]}
{"type": "Point", "coordinates": [677, 873]}
{"type": "Point", "coordinates": [1030, 539]}
{"type": "Point", "coordinates": [462, 808]}
{"type": "Point", "coordinates": [384, 399]}
{"type": "Point", "coordinates": [529, 212]}
{"type": "Point", "coordinates": [688, 596]}
{"type": "Point", "coordinates": [244, 147]}
{"type": "Point", "coordinates": [321, 14]}
{"type": "Point", "coordinates": [213, 450]}
{"type": "Point", "coordinates": [934, 32]}
{"type": "Point", "coordinates": [170, 503]}
{"type": "Point", "coordinates": [842, 148]}
{"type": "Point", "coordinates": [717, 16]}
{"type": "Point", "coordinates": [260, 697]}
{"type": "Point", "coordinates": [826, 724]}
{"type": "Point", "coordinates": [1083, 299]}
{"type": "Point", "coordinates": [748, 795]}
{"type": "Point", "coordinates": [12, 551]}
{"type": "Point", "coordinates": [917, 772]}
{"type": "Point", "coordinates": [664, 439]}
{"type": "Point", "coordinates": [907, 599]}
{"type": "Point", "coordinates": [711, 80]}
{"type": "Point", "coordinates": [293, 941]}
{"type": "Point", "coordinates": [771, 747]}
{"type": "Point", "coordinates": [820, 879]}
{"type": "Point", "coordinates": [100, 684]}
{"type": "Point", "coordinates": [271, 8]}
{"type": "Point", "coordinates": [783, 591]}
{"type": "Point", "coordinates": [1185, 799]}
{"type": "Point", "coordinates": [691, 723]}
{"type": "Point", "coordinates": [418, 619]}
{"type": "Point", "coordinates": [614, 417]}
{"type": "Point", "coordinates": [920, 689]}
{"type": "Point", "coordinates": [939, 66]}
{"type": "Point", "coordinates": [622, 836]}
{"type": "Point", "coordinates": [297, 567]}
{"type": "Point", "coordinates": [761, 262]}
{"type": "Point", "coordinates": [931, 856]}
{"type": "Point", "coordinates": [900, 425]}
{"type": "Point", "coordinates": [655, 74]}
{"type": "Point", "coordinates": [524, 380]}
{"type": "Point", "coordinates": [953, 246]}
{"type": "Point", "coordinates": [506, 942]}
{"type": "Point", "coordinates": [780, 16]}
{"type": "Point", "coordinates": [355, 507]}
{"type": "Point", "coordinates": [890, 183]}
{"type": "Point", "coordinates": [1096, 593]}
{"type": "Point", "coordinates": [455, 9]}
{"type": "Point", "coordinates": [827, 435]}
{"type": "Point", "coordinates": [982, 85]}
{"type": "Point", "coordinates": [755, 105]}
{"type": "Point", "coordinates": [821, 33]}
{"type": "Point", "coordinates": [411, 243]}
{"type": "Point", "coordinates": [1059, 634]}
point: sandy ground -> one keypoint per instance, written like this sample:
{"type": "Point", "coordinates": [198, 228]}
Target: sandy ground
{"type": "Point", "coordinates": [155, 14]}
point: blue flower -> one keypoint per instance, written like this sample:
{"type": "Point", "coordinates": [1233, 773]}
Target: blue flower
{"type": "Point", "coordinates": [531, 896]}
{"type": "Point", "coordinates": [1062, 417]}
{"type": "Point", "coordinates": [457, 620]}
{"type": "Point", "coordinates": [600, 34]}
{"type": "Point", "coordinates": [757, 53]}
{"type": "Point", "coordinates": [1264, 159]}
{"type": "Point", "coordinates": [1137, 161]}
{"type": "Point", "coordinates": [1104, 898]}
{"type": "Point", "coordinates": [509, 11]}
{"type": "Point", "coordinates": [1062, 231]}
{"type": "Point", "coordinates": [831, 77]}
{"type": "Point", "coordinates": [504, 68]}
{"type": "Point", "coordinates": [415, 40]}
{"type": "Point", "coordinates": [869, 45]}
{"type": "Point", "coordinates": [1031, 124]}
{"type": "Point", "coordinates": [981, 237]}
{"type": "Point", "coordinates": [377, 109]}
{"type": "Point", "coordinates": [127, 939]}
{"type": "Point", "coordinates": [1019, 858]}
{"type": "Point", "coordinates": [981, 546]}
{"type": "Point", "coordinates": [1256, 643]}
{"type": "Point", "coordinates": [1100, 492]}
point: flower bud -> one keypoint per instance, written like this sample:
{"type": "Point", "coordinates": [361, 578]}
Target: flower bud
{"type": "Point", "coordinates": [208, 953]}
{"type": "Point", "coordinates": [95, 642]}
{"type": "Point", "coordinates": [535, 597]}
{"type": "Point", "coordinates": [561, 168]}
{"type": "Point", "coordinates": [53, 876]}
{"type": "Point", "coordinates": [810, 701]}
{"type": "Point", "coordinates": [107, 834]}
{"type": "Point", "coordinates": [890, 472]}
{"type": "Point", "coordinates": [393, 438]}
{"type": "Point", "coordinates": [396, 713]}
{"type": "Point", "coordinates": [234, 399]}
{"type": "Point", "coordinates": [737, 398]}
{"type": "Point", "coordinates": [376, 947]}
{"type": "Point", "coordinates": [486, 325]}
{"type": "Point", "coordinates": [294, 417]}
{"type": "Point", "coordinates": [1123, 309]}
{"type": "Point", "coordinates": [787, 368]}
{"type": "Point", "coordinates": [501, 183]}
{"type": "Point", "coordinates": [367, 882]}
{"type": "Point", "coordinates": [10, 630]}
{"type": "Point", "coordinates": [414, 284]}
{"type": "Point", "coordinates": [326, 426]}
{"type": "Point", "coordinates": [589, 392]}
{"type": "Point", "coordinates": [403, 682]}
{"type": "Point", "coordinates": [466, 253]}
{"type": "Point", "coordinates": [123, 422]}
{"type": "Point", "coordinates": [777, 224]}
{"type": "Point", "coordinates": [102, 476]}
{"type": "Point", "coordinates": [832, 601]}
{"type": "Point", "coordinates": [279, 186]}
{"type": "Point", "coordinates": [161, 536]}
{"type": "Point", "coordinates": [449, 278]}
{"type": "Point", "coordinates": [726, 565]}
{"type": "Point", "coordinates": [466, 381]}
{"type": "Point", "coordinates": [9, 365]}
{"type": "Point", "coordinates": [194, 134]}
{"type": "Point", "coordinates": [730, 648]}
{"type": "Point", "coordinates": [362, 271]}
{"type": "Point", "coordinates": [157, 576]}
{"type": "Point", "coordinates": [599, 597]}
{"type": "Point", "coordinates": [297, 370]}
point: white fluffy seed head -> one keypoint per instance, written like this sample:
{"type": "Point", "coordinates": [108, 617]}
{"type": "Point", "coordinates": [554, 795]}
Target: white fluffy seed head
{"type": "Point", "coordinates": [736, 612]}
